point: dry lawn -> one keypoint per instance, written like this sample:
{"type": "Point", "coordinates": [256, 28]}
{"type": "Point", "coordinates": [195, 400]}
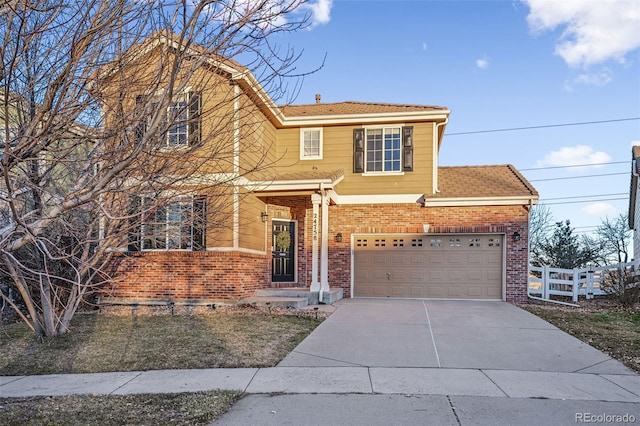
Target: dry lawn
{"type": "Point", "coordinates": [133, 342]}
{"type": "Point", "coordinates": [199, 408]}
{"type": "Point", "coordinates": [600, 323]}
{"type": "Point", "coordinates": [138, 340]}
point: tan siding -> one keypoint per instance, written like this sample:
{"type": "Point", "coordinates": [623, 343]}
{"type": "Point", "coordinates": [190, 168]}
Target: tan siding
{"type": "Point", "coordinates": [252, 229]}
{"type": "Point", "coordinates": [338, 154]}
{"type": "Point", "coordinates": [220, 218]}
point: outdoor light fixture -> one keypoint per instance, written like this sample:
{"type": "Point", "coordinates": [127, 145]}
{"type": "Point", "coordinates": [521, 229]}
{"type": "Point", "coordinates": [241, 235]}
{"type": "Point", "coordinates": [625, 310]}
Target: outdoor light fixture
{"type": "Point", "coordinates": [516, 236]}
{"type": "Point", "coordinates": [338, 237]}
{"type": "Point", "coordinates": [264, 216]}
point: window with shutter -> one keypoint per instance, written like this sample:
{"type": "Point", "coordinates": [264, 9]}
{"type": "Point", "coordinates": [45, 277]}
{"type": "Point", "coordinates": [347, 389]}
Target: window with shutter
{"type": "Point", "coordinates": [358, 150]}
{"type": "Point", "coordinates": [383, 150]}
{"type": "Point", "coordinates": [168, 224]}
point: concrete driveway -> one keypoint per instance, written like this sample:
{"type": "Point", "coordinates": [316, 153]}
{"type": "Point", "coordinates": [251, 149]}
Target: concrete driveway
{"type": "Point", "coordinates": [445, 334]}
{"type": "Point", "coordinates": [404, 362]}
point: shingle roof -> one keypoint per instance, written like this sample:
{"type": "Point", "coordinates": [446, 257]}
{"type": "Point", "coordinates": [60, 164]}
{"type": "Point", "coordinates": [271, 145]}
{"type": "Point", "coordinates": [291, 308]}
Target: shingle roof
{"type": "Point", "coordinates": [351, 107]}
{"type": "Point", "coordinates": [482, 181]}
{"type": "Point", "coordinates": [314, 175]}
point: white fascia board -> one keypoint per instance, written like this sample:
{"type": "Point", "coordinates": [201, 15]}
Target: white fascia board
{"type": "Point", "coordinates": [479, 201]}
{"type": "Point", "coordinates": [375, 198]}
{"type": "Point", "coordinates": [319, 120]}
{"type": "Point", "coordinates": [293, 185]}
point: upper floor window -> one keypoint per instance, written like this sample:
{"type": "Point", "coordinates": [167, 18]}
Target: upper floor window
{"type": "Point", "coordinates": [311, 144]}
{"type": "Point", "coordinates": [183, 119]}
{"type": "Point", "coordinates": [383, 149]}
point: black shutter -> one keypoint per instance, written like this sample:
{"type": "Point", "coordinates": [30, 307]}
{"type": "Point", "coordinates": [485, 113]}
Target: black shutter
{"type": "Point", "coordinates": [199, 223]}
{"type": "Point", "coordinates": [407, 148]}
{"type": "Point", "coordinates": [134, 230]}
{"type": "Point", "coordinates": [195, 106]}
{"type": "Point", "coordinates": [358, 150]}
{"type": "Point", "coordinates": [141, 127]}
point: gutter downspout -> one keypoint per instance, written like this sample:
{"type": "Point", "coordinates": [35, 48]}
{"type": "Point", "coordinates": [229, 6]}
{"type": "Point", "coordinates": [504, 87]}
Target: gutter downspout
{"type": "Point", "coordinates": [436, 151]}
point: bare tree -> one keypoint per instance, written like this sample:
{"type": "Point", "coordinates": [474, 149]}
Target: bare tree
{"type": "Point", "coordinates": [614, 238]}
{"type": "Point", "coordinates": [88, 108]}
{"type": "Point", "coordinates": [540, 228]}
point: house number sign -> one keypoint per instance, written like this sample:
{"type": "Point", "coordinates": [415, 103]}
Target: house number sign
{"type": "Point", "coordinates": [315, 227]}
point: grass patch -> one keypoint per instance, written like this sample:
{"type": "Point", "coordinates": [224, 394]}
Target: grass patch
{"type": "Point", "coordinates": [198, 408]}
{"type": "Point", "coordinates": [614, 331]}
{"type": "Point", "coordinates": [102, 343]}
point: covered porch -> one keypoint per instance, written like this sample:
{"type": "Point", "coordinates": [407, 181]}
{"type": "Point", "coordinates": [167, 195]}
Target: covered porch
{"type": "Point", "coordinates": [297, 212]}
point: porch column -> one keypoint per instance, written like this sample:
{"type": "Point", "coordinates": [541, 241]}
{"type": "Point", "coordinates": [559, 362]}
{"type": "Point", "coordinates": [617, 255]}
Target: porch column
{"type": "Point", "coordinates": [315, 285]}
{"type": "Point", "coordinates": [324, 264]}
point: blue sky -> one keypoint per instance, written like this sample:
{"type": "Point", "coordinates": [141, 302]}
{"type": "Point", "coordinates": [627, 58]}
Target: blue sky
{"type": "Point", "coordinates": [497, 65]}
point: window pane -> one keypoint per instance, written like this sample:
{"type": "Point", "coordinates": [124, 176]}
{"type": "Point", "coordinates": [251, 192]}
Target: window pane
{"type": "Point", "coordinates": [392, 149]}
{"type": "Point", "coordinates": [312, 143]}
{"type": "Point", "coordinates": [178, 116]}
{"type": "Point", "coordinates": [169, 227]}
{"type": "Point", "coordinates": [374, 150]}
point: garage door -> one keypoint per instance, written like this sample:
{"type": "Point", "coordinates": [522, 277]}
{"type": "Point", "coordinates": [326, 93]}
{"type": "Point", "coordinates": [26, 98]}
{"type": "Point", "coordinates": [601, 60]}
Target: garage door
{"type": "Point", "coordinates": [452, 266]}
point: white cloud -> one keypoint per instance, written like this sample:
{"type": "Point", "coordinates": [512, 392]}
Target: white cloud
{"type": "Point", "coordinates": [599, 209]}
{"type": "Point", "coordinates": [593, 31]}
{"type": "Point", "coordinates": [424, 45]}
{"type": "Point", "coordinates": [320, 12]}
{"type": "Point", "coordinates": [573, 156]}
{"type": "Point", "coordinates": [482, 63]}
{"type": "Point", "coordinates": [601, 78]}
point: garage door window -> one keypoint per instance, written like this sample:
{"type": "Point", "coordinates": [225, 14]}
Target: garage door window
{"type": "Point", "coordinates": [436, 242]}
{"type": "Point", "coordinates": [455, 242]}
{"type": "Point", "coordinates": [494, 242]}
{"type": "Point", "coordinates": [474, 242]}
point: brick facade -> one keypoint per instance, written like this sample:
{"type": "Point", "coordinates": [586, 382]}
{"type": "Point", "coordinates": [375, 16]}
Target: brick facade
{"type": "Point", "coordinates": [201, 276]}
{"type": "Point", "coordinates": [195, 277]}
{"type": "Point", "coordinates": [410, 218]}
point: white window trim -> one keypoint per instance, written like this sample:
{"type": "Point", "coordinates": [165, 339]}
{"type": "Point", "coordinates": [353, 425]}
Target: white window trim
{"type": "Point", "coordinates": [383, 173]}
{"type": "Point", "coordinates": [311, 157]}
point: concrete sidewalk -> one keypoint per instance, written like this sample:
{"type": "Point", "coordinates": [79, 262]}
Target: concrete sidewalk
{"type": "Point", "coordinates": [402, 362]}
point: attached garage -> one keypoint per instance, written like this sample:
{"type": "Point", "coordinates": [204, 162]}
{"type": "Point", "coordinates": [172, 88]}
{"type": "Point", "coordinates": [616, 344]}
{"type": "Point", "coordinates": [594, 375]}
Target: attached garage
{"type": "Point", "coordinates": [447, 266]}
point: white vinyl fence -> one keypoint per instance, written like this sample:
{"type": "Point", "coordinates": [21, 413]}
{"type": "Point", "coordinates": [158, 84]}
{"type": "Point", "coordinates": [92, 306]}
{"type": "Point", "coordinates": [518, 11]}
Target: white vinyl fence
{"type": "Point", "coordinates": [545, 281]}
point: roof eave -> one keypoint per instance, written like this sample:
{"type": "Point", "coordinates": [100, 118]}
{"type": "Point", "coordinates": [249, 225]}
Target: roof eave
{"type": "Point", "coordinates": [369, 118]}
{"type": "Point", "coordinates": [481, 201]}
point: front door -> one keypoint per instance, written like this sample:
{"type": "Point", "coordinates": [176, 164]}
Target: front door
{"type": "Point", "coordinates": [283, 251]}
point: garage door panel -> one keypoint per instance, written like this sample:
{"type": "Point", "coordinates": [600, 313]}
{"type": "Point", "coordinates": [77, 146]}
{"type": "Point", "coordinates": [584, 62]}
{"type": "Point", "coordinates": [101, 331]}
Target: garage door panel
{"type": "Point", "coordinates": [419, 266]}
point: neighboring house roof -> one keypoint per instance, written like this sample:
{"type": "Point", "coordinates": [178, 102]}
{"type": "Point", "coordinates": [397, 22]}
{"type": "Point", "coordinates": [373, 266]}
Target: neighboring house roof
{"type": "Point", "coordinates": [473, 182]}
{"type": "Point", "coordinates": [635, 170]}
{"type": "Point", "coordinates": [352, 107]}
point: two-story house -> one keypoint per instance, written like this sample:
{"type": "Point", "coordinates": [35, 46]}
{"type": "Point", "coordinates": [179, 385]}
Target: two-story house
{"type": "Point", "coordinates": [354, 199]}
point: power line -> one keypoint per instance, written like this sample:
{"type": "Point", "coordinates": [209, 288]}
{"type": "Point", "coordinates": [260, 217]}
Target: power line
{"type": "Point", "coordinates": [574, 165]}
{"type": "Point", "coordinates": [577, 177]}
{"type": "Point", "coordinates": [585, 201]}
{"type": "Point", "coordinates": [545, 126]}
{"type": "Point", "coordinates": [584, 196]}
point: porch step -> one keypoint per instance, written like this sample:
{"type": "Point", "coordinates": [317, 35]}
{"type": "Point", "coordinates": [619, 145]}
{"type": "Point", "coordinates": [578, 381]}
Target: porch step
{"type": "Point", "coordinates": [328, 298]}
{"type": "Point", "coordinates": [276, 301]}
